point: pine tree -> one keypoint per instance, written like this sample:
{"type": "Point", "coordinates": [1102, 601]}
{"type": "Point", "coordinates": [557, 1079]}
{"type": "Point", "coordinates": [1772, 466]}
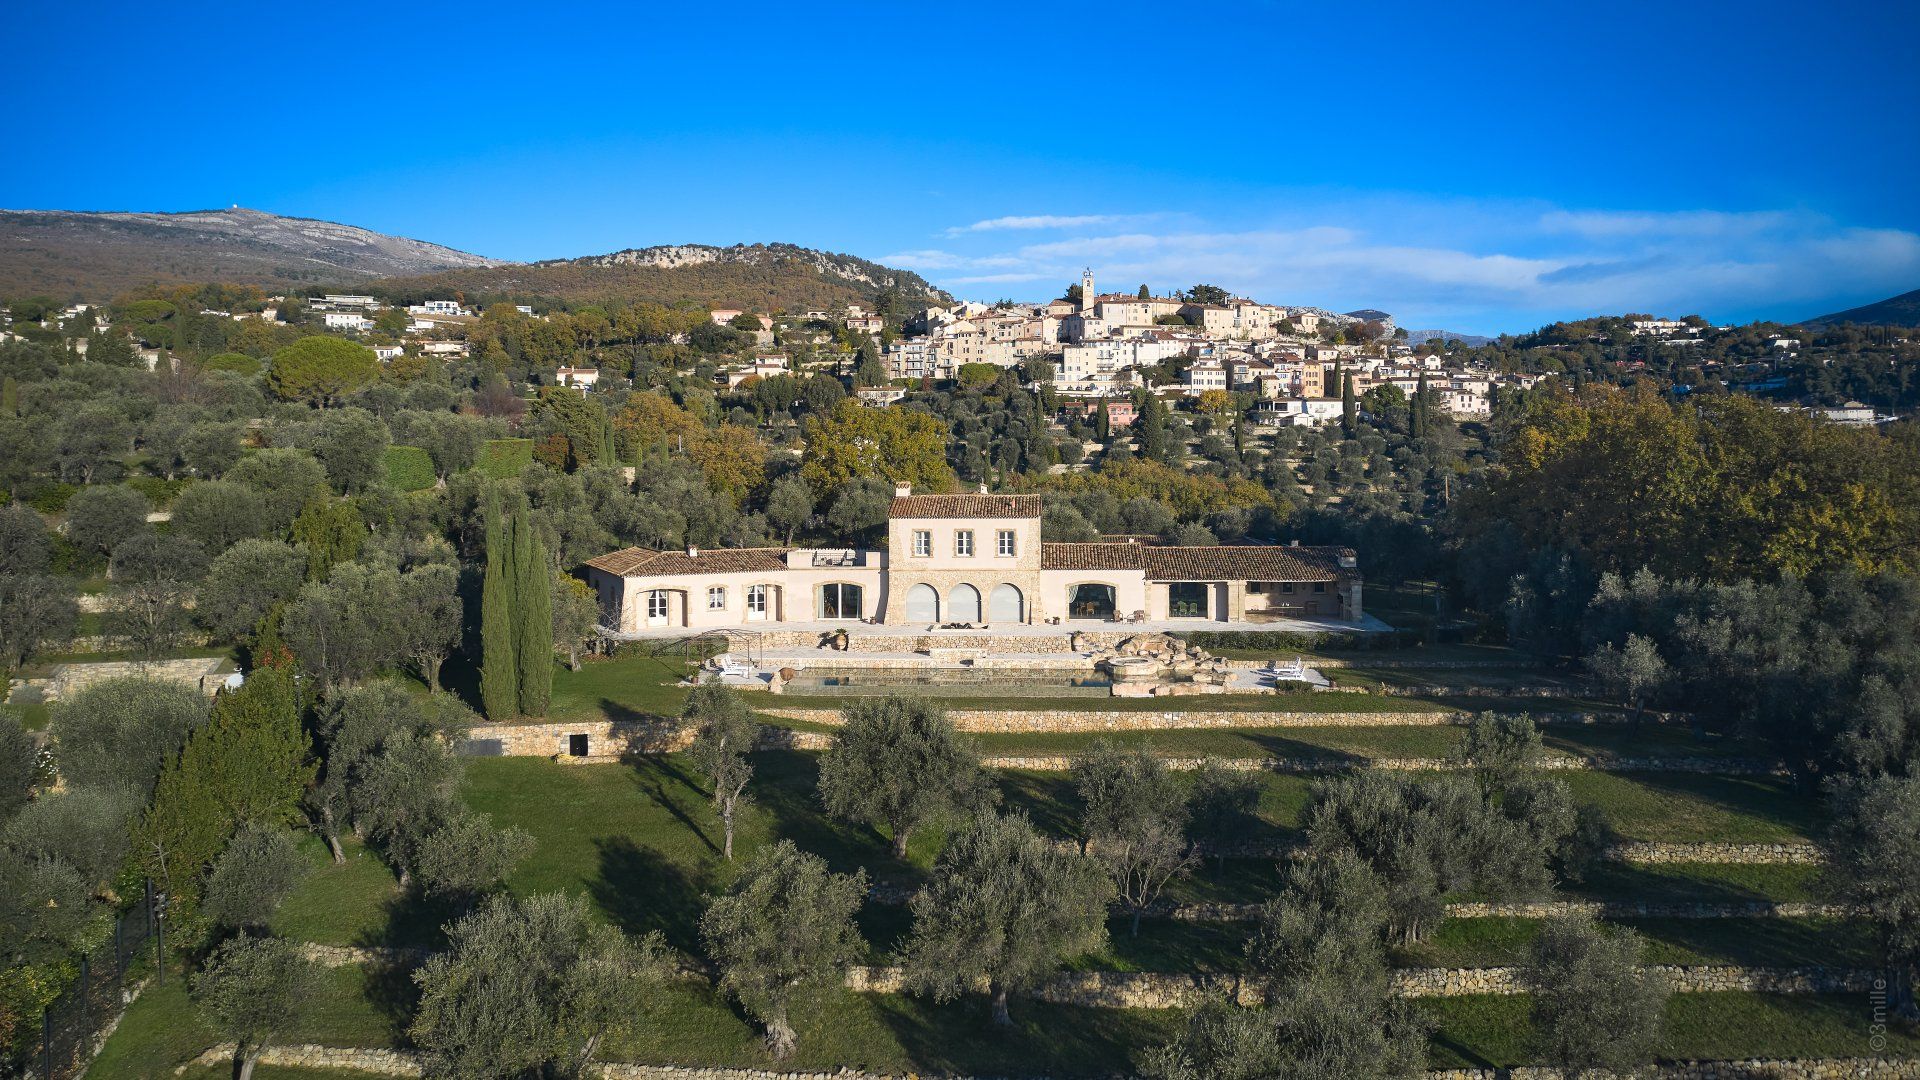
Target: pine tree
{"type": "Point", "coordinates": [1349, 413]}
{"type": "Point", "coordinates": [499, 666]}
{"type": "Point", "coordinates": [532, 617]}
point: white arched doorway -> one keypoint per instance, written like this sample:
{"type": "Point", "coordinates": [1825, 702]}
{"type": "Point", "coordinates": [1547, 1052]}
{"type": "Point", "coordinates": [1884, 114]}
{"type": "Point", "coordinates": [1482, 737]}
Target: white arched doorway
{"type": "Point", "coordinates": [963, 604]}
{"type": "Point", "coordinates": [923, 604]}
{"type": "Point", "coordinates": [1006, 605]}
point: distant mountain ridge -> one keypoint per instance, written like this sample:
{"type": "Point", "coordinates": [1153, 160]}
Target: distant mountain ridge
{"type": "Point", "coordinates": [1902, 310]}
{"type": "Point", "coordinates": [1474, 341]}
{"type": "Point", "coordinates": [753, 277]}
{"type": "Point", "coordinates": [99, 254]}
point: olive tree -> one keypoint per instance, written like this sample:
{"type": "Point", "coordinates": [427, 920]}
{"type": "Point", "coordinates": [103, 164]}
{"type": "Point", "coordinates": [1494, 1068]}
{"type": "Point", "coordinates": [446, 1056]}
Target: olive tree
{"type": "Point", "coordinates": [1873, 861]}
{"type": "Point", "coordinates": [247, 581]}
{"type": "Point", "coordinates": [1005, 906]}
{"type": "Point", "coordinates": [783, 932]}
{"type": "Point", "coordinates": [898, 763]}
{"type": "Point", "coordinates": [258, 869]}
{"type": "Point", "coordinates": [1223, 805]}
{"type": "Point", "coordinates": [1133, 819]}
{"type": "Point", "coordinates": [37, 612]}
{"type": "Point", "coordinates": [723, 735]}
{"type": "Point", "coordinates": [1593, 1008]}
{"type": "Point", "coordinates": [99, 518]}
{"type": "Point", "coordinates": [1315, 1034]}
{"type": "Point", "coordinates": [528, 985]}
{"type": "Point", "coordinates": [119, 732]}
{"type": "Point", "coordinates": [252, 990]}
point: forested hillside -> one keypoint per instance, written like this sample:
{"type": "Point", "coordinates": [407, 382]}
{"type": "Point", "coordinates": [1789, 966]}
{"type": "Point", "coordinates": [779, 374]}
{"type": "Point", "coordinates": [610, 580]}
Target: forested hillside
{"type": "Point", "coordinates": [756, 277]}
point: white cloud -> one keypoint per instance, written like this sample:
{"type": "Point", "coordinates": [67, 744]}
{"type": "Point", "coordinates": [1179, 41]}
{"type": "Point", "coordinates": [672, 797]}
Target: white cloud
{"type": "Point", "coordinates": [1047, 221]}
{"type": "Point", "coordinates": [1509, 266]}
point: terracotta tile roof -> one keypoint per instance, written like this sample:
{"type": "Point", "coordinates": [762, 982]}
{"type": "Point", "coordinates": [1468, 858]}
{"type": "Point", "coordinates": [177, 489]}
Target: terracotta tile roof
{"type": "Point", "coordinates": [964, 506]}
{"type": "Point", "coordinates": [643, 562]}
{"type": "Point", "coordinates": [1243, 563]}
{"type": "Point", "coordinates": [1121, 556]}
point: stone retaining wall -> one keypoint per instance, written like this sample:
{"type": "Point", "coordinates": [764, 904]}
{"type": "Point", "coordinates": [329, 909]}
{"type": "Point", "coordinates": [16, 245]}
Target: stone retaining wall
{"type": "Point", "coordinates": [381, 1062]}
{"type": "Point", "coordinates": [1547, 909]}
{"type": "Point", "coordinates": [202, 673]}
{"type": "Point", "coordinates": [1554, 762]}
{"type": "Point", "coordinates": [1457, 982]}
{"type": "Point", "coordinates": [1006, 721]}
{"type": "Point", "coordinates": [1636, 852]}
{"type": "Point", "coordinates": [1160, 990]}
{"type": "Point", "coordinates": [1751, 854]}
{"type": "Point", "coordinates": [1749, 1069]}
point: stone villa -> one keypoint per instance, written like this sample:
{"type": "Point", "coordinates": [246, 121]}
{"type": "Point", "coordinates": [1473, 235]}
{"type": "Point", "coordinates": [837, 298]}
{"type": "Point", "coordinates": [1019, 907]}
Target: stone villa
{"type": "Point", "coordinates": [974, 561]}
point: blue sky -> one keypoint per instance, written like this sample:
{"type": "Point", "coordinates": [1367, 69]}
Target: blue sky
{"type": "Point", "coordinates": [1472, 167]}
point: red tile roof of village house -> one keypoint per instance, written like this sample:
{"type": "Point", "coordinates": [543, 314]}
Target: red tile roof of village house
{"type": "Point", "coordinates": [964, 506]}
{"type": "Point", "coordinates": [645, 562]}
{"type": "Point", "coordinates": [1224, 562]}
{"type": "Point", "coordinates": [1243, 563]}
{"type": "Point", "coordinates": [1120, 556]}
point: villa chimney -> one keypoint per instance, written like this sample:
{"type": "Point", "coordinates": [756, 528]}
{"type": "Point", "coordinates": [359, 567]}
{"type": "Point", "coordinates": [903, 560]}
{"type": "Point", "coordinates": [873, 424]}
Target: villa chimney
{"type": "Point", "coordinates": [902, 489]}
{"type": "Point", "coordinates": [692, 552]}
{"type": "Point", "coordinates": [1293, 543]}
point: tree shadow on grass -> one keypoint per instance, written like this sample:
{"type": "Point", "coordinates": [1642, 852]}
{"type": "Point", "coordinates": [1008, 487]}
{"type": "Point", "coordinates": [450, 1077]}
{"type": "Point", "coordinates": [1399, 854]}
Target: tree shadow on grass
{"type": "Point", "coordinates": [959, 1038]}
{"type": "Point", "coordinates": [786, 786]}
{"type": "Point", "coordinates": [627, 714]}
{"type": "Point", "coordinates": [658, 775]}
{"type": "Point", "coordinates": [390, 989]}
{"type": "Point", "coordinates": [641, 891]}
{"type": "Point", "coordinates": [1281, 746]}
{"type": "Point", "coordinates": [413, 921]}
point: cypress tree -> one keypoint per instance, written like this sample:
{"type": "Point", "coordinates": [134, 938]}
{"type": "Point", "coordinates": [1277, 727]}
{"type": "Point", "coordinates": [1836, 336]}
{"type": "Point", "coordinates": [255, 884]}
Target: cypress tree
{"type": "Point", "coordinates": [1417, 425]}
{"type": "Point", "coordinates": [1349, 413]}
{"type": "Point", "coordinates": [532, 617]}
{"type": "Point", "coordinates": [499, 666]}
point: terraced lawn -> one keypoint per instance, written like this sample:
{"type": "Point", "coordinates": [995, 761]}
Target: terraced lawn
{"type": "Point", "coordinates": [1752, 942]}
{"type": "Point", "coordinates": [1491, 1031]}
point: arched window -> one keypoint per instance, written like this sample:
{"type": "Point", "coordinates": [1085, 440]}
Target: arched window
{"type": "Point", "coordinates": [1006, 605]}
{"type": "Point", "coordinates": [963, 604]}
{"type": "Point", "coordinates": [923, 605]}
{"type": "Point", "coordinates": [1092, 600]}
{"type": "Point", "coordinates": [838, 600]}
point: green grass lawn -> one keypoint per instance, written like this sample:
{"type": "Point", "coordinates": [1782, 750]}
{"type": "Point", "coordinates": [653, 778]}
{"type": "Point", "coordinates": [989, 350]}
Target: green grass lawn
{"type": "Point", "coordinates": [1359, 673]}
{"type": "Point", "coordinates": [1338, 743]}
{"type": "Point", "coordinates": [354, 1007]}
{"type": "Point", "coordinates": [688, 1024]}
{"type": "Point", "coordinates": [1718, 883]}
{"type": "Point", "coordinates": [641, 843]}
{"type": "Point", "coordinates": [1756, 942]}
{"type": "Point", "coordinates": [1487, 1031]}
{"type": "Point", "coordinates": [1696, 808]}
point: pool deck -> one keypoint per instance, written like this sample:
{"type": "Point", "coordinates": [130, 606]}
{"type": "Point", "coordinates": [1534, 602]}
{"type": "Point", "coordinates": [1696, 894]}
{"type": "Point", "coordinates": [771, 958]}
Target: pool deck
{"type": "Point", "coordinates": [1366, 624]}
{"type": "Point", "coordinates": [765, 662]}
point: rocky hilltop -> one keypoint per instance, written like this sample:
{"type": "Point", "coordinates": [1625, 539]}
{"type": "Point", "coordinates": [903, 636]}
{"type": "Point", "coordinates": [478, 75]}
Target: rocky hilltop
{"type": "Point", "coordinates": [755, 277]}
{"type": "Point", "coordinates": [94, 255]}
